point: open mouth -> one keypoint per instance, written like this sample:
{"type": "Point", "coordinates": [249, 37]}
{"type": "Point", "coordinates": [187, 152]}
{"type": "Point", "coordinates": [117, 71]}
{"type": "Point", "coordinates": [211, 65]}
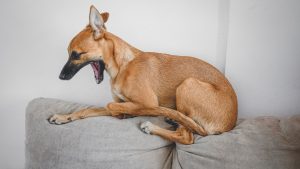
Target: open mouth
{"type": "Point", "coordinates": [98, 68]}
{"type": "Point", "coordinates": [70, 69]}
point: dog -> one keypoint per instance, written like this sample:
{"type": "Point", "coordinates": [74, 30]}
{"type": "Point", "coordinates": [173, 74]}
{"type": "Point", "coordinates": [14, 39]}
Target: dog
{"type": "Point", "coordinates": [185, 89]}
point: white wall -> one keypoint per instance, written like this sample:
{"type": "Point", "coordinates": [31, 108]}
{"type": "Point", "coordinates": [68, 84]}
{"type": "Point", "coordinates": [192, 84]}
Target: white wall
{"type": "Point", "coordinates": [258, 38]}
{"type": "Point", "coordinates": [34, 36]}
{"type": "Point", "coordinates": [263, 56]}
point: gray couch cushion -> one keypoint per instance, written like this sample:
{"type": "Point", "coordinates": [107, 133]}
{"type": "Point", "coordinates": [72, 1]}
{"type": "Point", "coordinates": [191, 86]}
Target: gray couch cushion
{"type": "Point", "coordinates": [109, 143]}
{"type": "Point", "coordinates": [261, 143]}
{"type": "Point", "coordinates": [92, 143]}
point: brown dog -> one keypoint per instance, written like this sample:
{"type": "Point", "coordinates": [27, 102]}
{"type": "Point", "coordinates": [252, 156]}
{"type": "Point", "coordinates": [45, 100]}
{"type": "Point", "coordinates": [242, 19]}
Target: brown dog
{"type": "Point", "coordinates": [151, 84]}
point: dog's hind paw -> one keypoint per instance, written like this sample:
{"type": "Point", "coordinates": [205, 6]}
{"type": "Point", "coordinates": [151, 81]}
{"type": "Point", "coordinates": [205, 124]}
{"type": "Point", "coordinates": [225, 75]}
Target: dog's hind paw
{"type": "Point", "coordinates": [59, 119]}
{"type": "Point", "coordinates": [147, 127]}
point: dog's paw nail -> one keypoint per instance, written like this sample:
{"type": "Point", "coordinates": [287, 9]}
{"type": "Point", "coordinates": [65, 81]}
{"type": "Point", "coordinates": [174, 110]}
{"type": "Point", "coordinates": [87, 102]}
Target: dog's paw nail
{"type": "Point", "coordinates": [146, 127]}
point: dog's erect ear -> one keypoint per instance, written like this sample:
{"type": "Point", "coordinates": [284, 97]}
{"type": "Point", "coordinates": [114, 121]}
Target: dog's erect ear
{"type": "Point", "coordinates": [97, 21]}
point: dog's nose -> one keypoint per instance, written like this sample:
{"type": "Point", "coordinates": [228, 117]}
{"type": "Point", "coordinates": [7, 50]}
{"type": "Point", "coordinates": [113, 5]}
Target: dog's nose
{"type": "Point", "coordinates": [62, 76]}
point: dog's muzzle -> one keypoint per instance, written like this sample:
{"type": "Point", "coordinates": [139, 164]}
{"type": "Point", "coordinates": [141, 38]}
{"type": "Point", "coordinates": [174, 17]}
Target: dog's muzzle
{"type": "Point", "coordinates": [69, 70]}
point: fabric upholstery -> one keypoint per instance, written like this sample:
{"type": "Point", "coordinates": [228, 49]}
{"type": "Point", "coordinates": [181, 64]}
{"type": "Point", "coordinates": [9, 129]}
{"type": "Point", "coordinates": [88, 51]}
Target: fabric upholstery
{"type": "Point", "coordinates": [110, 143]}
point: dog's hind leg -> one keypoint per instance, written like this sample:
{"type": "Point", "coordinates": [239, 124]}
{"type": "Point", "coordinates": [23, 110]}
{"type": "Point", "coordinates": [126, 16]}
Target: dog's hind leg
{"type": "Point", "coordinates": [181, 135]}
{"type": "Point", "coordinates": [138, 110]}
{"type": "Point", "coordinates": [211, 107]}
{"type": "Point", "coordinates": [89, 112]}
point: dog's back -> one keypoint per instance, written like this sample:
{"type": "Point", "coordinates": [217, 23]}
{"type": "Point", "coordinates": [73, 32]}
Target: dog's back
{"type": "Point", "coordinates": [166, 72]}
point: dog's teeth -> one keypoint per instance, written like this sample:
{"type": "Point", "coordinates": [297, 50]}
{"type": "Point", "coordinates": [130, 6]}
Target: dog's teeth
{"type": "Point", "coordinates": [97, 80]}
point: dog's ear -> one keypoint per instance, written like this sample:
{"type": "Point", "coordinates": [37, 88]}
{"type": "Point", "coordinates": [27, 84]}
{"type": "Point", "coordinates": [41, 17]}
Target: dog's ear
{"type": "Point", "coordinates": [105, 16]}
{"type": "Point", "coordinates": [97, 21]}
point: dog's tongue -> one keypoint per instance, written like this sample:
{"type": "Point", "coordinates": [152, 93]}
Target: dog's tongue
{"type": "Point", "coordinates": [98, 68]}
{"type": "Point", "coordinates": [95, 66]}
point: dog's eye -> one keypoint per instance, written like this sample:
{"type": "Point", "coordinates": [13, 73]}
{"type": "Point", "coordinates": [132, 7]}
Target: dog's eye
{"type": "Point", "coordinates": [75, 55]}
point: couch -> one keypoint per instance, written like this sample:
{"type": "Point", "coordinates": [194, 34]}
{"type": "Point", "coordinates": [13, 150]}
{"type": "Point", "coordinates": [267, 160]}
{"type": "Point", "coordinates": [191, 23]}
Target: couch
{"type": "Point", "coordinates": [110, 143]}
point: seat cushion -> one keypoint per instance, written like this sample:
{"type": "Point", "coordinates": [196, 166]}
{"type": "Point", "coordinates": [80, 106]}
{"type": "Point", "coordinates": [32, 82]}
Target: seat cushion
{"type": "Point", "coordinates": [92, 143]}
{"type": "Point", "coordinates": [260, 143]}
{"type": "Point", "coordinates": [110, 143]}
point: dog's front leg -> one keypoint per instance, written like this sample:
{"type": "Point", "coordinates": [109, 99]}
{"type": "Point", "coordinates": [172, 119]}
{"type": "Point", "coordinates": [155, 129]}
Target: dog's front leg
{"type": "Point", "coordinates": [89, 112]}
{"type": "Point", "coordinates": [117, 109]}
{"type": "Point", "coordinates": [135, 109]}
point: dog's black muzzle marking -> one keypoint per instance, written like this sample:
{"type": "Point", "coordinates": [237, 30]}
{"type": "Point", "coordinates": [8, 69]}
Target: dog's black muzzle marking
{"type": "Point", "coordinates": [70, 69]}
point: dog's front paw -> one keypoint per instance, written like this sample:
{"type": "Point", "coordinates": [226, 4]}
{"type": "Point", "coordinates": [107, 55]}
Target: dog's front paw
{"type": "Point", "coordinates": [59, 119]}
{"type": "Point", "coordinates": [147, 127]}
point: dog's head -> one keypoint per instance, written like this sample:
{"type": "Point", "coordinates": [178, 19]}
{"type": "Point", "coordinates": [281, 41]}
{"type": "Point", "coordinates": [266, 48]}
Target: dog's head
{"type": "Point", "coordinates": [88, 47]}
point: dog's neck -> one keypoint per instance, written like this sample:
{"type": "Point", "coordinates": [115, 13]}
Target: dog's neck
{"type": "Point", "coordinates": [121, 54]}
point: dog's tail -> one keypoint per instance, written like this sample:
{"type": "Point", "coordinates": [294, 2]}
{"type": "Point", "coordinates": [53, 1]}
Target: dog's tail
{"type": "Point", "coordinates": [174, 115]}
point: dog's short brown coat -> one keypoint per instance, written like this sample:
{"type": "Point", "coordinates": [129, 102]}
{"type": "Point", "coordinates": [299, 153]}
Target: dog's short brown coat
{"type": "Point", "coordinates": [185, 89]}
